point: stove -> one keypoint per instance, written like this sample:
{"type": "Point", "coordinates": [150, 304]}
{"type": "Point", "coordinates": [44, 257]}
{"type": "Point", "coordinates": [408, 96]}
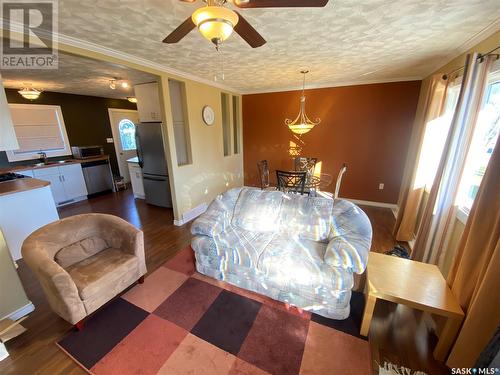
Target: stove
{"type": "Point", "coordinates": [10, 176]}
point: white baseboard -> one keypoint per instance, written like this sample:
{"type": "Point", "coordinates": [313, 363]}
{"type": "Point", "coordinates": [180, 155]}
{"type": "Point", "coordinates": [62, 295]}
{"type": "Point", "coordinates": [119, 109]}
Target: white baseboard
{"type": "Point", "coordinates": [392, 206]}
{"type": "Point", "coordinates": [19, 313]}
{"type": "Point", "coordinates": [191, 214]}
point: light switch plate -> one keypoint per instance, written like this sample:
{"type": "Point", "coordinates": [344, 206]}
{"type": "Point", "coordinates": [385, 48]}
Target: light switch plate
{"type": "Point", "coordinates": [109, 140]}
{"type": "Point", "coordinates": [381, 186]}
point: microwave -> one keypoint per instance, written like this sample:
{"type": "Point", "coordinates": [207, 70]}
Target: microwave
{"type": "Point", "coordinates": [86, 152]}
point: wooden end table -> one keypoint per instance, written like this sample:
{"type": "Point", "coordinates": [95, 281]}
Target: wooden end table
{"type": "Point", "coordinates": [414, 284]}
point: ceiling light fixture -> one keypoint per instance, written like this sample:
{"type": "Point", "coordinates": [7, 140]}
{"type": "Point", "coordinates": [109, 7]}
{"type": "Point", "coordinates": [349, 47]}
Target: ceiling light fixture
{"type": "Point", "coordinates": [112, 84]}
{"type": "Point", "coordinates": [30, 93]}
{"type": "Point", "coordinates": [132, 99]}
{"type": "Point", "coordinates": [302, 124]}
{"type": "Point", "coordinates": [125, 84]}
{"type": "Point", "coordinates": [215, 22]}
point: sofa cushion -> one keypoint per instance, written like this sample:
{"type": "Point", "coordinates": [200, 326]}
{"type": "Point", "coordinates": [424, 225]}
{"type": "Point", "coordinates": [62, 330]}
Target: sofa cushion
{"type": "Point", "coordinates": [306, 217]}
{"type": "Point", "coordinates": [258, 210]}
{"type": "Point", "coordinates": [234, 246]}
{"type": "Point", "coordinates": [78, 251]}
{"type": "Point", "coordinates": [296, 264]}
{"type": "Point", "coordinates": [102, 271]}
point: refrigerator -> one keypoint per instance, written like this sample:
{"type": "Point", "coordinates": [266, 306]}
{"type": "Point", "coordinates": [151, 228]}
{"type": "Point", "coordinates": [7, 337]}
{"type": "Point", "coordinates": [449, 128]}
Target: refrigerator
{"type": "Point", "coordinates": [149, 141]}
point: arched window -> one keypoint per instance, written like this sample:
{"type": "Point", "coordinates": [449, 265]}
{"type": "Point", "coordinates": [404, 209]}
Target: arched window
{"type": "Point", "coordinates": [127, 134]}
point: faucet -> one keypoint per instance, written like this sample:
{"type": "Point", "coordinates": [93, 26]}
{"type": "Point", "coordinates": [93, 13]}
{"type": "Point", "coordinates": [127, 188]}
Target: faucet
{"type": "Point", "coordinates": [43, 157]}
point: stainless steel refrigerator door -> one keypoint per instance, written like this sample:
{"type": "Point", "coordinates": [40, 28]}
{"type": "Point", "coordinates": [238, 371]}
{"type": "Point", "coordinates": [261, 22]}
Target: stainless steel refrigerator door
{"type": "Point", "coordinates": [150, 149]}
{"type": "Point", "coordinates": [157, 190]}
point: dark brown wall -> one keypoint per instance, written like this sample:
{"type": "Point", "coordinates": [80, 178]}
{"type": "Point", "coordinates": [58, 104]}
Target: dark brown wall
{"type": "Point", "coordinates": [86, 119]}
{"type": "Point", "coordinates": [366, 126]}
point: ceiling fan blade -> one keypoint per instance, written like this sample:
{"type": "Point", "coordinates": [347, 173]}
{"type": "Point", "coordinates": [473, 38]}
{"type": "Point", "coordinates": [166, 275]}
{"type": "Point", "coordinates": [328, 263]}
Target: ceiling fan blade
{"type": "Point", "coordinates": [280, 3]}
{"type": "Point", "coordinates": [248, 33]}
{"type": "Point", "coordinates": [181, 31]}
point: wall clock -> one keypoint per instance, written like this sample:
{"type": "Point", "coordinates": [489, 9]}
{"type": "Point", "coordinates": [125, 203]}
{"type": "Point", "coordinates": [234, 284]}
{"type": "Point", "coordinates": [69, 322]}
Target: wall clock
{"type": "Point", "coordinates": [208, 115]}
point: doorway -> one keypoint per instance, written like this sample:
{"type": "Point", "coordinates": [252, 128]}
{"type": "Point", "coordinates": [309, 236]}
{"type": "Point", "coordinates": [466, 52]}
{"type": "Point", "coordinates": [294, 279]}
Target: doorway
{"type": "Point", "coordinates": [123, 128]}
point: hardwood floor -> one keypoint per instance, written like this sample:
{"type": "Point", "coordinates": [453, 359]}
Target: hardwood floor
{"type": "Point", "coordinates": [397, 335]}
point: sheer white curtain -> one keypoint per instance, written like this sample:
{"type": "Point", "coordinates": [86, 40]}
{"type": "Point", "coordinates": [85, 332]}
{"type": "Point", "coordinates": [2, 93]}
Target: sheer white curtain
{"type": "Point", "coordinates": [437, 216]}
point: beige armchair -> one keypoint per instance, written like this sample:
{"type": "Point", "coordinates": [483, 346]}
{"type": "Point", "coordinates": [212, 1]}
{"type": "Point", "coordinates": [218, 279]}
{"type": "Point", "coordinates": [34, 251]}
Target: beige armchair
{"type": "Point", "coordinates": [84, 261]}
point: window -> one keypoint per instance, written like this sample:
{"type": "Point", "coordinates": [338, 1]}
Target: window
{"type": "Point", "coordinates": [434, 139]}
{"type": "Point", "coordinates": [482, 144]}
{"type": "Point", "coordinates": [236, 124]}
{"type": "Point", "coordinates": [39, 128]}
{"type": "Point", "coordinates": [226, 126]}
{"type": "Point", "coordinates": [127, 135]}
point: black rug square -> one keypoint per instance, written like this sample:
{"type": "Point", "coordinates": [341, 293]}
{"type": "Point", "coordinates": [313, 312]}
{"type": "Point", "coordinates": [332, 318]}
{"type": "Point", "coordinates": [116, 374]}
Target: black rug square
{"type": "Point", "coordinates": [227, 321]}
{"type": "Point", "coordinates": [352, 324]}
{"type": "Point", "coordinates": [103, 331]}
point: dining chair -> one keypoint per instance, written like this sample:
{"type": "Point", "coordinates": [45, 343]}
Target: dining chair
{"type": "Point", "coordinates": [291, 182]}
{"type": "Point", "coordinates": [305, 164]}
{"type": "Point", "coordinates": [263, 167]}
{"type": "Point", "coordinates": [343, 169]}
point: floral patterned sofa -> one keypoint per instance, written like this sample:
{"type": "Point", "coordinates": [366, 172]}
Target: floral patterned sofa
{"type": "Point", "coordinates": [296, 249]}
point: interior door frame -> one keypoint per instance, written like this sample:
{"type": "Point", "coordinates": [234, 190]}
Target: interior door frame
{"type": "Point", "coordinates": [116, 137]}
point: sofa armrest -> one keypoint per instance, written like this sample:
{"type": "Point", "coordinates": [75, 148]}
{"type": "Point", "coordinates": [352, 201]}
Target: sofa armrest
{"type": "Point", "coordinates": [350, 237]}
{"type": "Point", "coordinates": [59, 287]}
{"type": "Point", "coordinates": [214, 220]}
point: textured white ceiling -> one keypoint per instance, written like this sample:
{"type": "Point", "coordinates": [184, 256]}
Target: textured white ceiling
{"type": "Point", "coordinates": [78, 75]}
{"type": "Point", "coordinates": [348, 40]}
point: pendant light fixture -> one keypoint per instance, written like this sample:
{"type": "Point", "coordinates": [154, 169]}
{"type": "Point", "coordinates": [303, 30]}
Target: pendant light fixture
{"type": "Point", "coordinates": [30, 93]}
{"type": "Point", "coordinates": [302, 124]}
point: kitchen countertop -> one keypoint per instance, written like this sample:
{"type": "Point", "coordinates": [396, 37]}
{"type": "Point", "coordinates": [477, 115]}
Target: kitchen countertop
{"type": "Point", "coordinates": [21, 184]}
{"type": "Point", "coordinates": [133, 160]}
{"type": "Point", "coordinates": [16, 168]}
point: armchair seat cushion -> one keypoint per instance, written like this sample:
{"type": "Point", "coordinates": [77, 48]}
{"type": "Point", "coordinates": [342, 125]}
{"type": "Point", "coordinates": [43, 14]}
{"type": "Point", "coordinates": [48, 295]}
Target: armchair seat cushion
{"type": "Point", "coordinates": [101, 272]}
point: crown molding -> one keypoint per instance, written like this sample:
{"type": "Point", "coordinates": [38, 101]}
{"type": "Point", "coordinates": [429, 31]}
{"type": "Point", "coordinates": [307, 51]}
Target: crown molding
{"type": "Point", "coordinates": [125, 57]}
{"type": "Point", "coordinates": [468, 44]}
{"type": "Point", "coordinates": [333, 84]}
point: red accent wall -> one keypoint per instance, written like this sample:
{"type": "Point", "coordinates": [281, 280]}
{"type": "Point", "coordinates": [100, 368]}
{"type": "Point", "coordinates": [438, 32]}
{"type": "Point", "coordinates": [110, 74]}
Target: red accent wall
{"type": "Point", "coordinates": [366, 126]}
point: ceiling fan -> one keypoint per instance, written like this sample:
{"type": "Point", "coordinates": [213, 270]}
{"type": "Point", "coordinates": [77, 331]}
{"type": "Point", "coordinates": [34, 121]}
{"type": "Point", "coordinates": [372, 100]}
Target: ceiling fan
{"type": "Point", "coordinates": [216, 22]}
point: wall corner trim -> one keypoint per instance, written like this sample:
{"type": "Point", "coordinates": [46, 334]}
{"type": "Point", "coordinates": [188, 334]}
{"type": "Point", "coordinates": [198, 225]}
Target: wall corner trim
{"type": "Point", "coordinates": [191, 214]}
{"type": "Point", "coordinates": [22, 311]}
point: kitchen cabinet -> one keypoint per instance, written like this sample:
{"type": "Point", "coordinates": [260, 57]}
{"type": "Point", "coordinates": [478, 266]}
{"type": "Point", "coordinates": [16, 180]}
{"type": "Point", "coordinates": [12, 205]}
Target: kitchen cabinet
{"type": "Point", "coordinates": [73, 180]}
{"type": "Point", "coordinates": [148, 102]}
{"type": "Point", "coordinates": [136, 180]}
{"type": "Point", "coordinates": [66, 182]}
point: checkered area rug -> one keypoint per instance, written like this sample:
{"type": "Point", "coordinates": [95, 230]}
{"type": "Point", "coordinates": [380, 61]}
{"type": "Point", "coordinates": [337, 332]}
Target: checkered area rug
{"type": "Point", "coordinates": [182, 322]}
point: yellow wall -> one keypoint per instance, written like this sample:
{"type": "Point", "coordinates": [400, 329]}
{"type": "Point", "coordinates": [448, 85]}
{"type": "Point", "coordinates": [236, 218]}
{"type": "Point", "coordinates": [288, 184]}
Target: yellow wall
{"type": "Point", "coordinates": [12, 295]}
{"type": "Point", "coordinates": [210, 172]}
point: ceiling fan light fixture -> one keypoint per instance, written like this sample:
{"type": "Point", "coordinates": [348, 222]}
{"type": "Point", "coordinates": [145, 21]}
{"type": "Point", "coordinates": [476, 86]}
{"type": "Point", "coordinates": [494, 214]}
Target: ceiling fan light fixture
{"type": "Point", "coordinates": [30, 93]}
{"type": "Point", "coordinates": [215, 23]}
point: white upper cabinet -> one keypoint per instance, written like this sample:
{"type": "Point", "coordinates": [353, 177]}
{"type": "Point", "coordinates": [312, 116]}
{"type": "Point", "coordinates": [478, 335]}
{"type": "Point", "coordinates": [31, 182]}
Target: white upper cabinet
{"type": "Point", "coordinates": [148, 102]}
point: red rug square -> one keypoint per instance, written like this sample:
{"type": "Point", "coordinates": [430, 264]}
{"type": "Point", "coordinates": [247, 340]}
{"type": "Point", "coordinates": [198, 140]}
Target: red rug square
{"type": "Point", "coordinates": [144, 350]}
{"type": "Point", "coordinates": [183, 261]}
{"type": "Point", "coordinates": [187, 304]}
{"type": "Point", "coordinates": [276, 341]}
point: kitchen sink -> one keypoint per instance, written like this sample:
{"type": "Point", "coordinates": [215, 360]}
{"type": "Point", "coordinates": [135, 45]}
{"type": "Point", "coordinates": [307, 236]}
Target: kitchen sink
{"type": "Point", "coordinates": [53, 163]}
